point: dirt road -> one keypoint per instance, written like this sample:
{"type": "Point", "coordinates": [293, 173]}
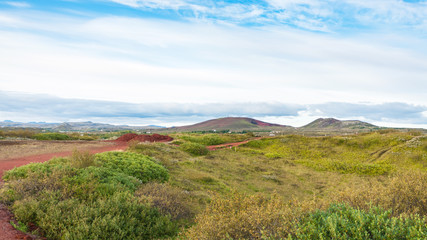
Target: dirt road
{"type": "Point", "coordinates": [230, 145]}
{"type": "Point", "coordinates": [15, 154]}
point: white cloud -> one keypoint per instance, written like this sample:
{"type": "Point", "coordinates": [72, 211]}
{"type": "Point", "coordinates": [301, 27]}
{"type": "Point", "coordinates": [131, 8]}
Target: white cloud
{"type": "Point", "coordinates": [18, 4]}
{"type": "Point", "coordinates": [142, 60]}
{"type": "Point", "coordinates": [326, 16]}
{"type": "Point", "coordinates": [40, 107]}
{"type": "Point", "coordinates": [163, 4]}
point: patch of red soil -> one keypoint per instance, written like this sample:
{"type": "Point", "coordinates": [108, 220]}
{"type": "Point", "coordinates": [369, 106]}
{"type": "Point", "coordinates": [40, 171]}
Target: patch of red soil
{"type": "Point", "coordinates": [230, 145]}
{"type": "Point", "coordinates": [144, 138]}
{"type": "Point", "coordinates": [126, 137]}
{"type": "Point", "coordinates": [16, 162]}
{"type": "Point", "coordinates": [7, 231]}
{"type": "Point", "coordinates": [153, 138]}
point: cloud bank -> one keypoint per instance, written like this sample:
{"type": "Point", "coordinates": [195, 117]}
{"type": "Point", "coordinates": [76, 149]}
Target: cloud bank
{"type": "Point", "coordinates": [31, 107]}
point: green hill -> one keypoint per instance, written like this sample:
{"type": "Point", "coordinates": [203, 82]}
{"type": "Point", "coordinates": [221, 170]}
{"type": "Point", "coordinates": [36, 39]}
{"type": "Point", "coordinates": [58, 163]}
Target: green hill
{"type": "Point", "coordinates": [335, 124]}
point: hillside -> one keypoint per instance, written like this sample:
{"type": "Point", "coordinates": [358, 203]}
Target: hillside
{"type": "Point", "coordinates": [332, 124]}
{"type": "Point", "coordinates": [74, 126]}
{"type": "Point", "coordinates": [232, 124]}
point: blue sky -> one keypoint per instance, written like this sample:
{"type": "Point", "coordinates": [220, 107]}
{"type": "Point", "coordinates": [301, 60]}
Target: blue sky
{"type": "Point", "coordinates": [173, 62]}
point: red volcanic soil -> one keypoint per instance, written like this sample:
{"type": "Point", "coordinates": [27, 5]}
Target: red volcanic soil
{"type": "Point", "coordinates": [7, 231]}
{"type": "Point", "coordinates": [144, 138]}
{"type": "Point", "coordinates": [126, 137]}
{"type": "Point", "coordinates": [16, 162]}
{"type": "Point", "coordinates": [229, 145]}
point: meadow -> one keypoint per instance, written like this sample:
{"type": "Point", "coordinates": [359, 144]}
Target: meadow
{"type": "Point", "coordinates": [360, 186]}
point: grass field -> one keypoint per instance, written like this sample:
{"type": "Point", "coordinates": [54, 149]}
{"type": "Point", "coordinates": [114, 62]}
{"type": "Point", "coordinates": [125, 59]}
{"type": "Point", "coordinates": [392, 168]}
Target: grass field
{"type": "Point", "coordinates": [273, 188]}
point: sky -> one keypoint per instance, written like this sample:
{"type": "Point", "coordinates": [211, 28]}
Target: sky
{"type": "Point", "coordinates": [178, 62]}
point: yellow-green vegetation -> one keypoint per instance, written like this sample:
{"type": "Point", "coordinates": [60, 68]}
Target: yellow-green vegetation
{"type": "Point", "coordinates": [366, 186]}
{"type": "Point", "coordinates": [340, 221]}
{"type": "Point", "coordinates": [239, 216]}
{"type": "Point", "coordinates": [210, 138]}
{"type": "Point", "coordinates": [18, 132]}
{"type": "Point", "coordinates": [100, 197]}
{"type": "Point", "coordinates": [194, 149]}
{"type": "Point", "coordinates": [256, 217]}
{"type": "Point", "coordinates": [37, 134]}
{"type": "Point", "coordinates": [367, 154]}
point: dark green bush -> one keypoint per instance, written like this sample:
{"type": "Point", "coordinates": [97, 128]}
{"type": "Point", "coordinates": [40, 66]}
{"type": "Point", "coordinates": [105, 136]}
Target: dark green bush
{"type": "Point", "coordinates": [83, 197]}
{"type": "Point", "coordinates": [194, 149]}
{"type": "Point", "coordinates": [340, 221]}
{"type": "Point", "coordinates": [40, 168]}
{"type": "Point", "coordinates": [119, 216]}
{"type": "Point", "coordinates": [142, 167]}
{"type": "Point", "coordinates": [51, 136]}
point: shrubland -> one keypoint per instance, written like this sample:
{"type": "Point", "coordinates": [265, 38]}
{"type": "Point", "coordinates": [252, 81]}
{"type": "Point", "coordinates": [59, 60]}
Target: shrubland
{"type": "Point", "coordinates": [38, 134]}
{"type": "Point", "coordinates": [210, 138]}
{"type": "Point", "coordinates": [93, 197]}
{"type": "Point", "coordinates": [365, 186]}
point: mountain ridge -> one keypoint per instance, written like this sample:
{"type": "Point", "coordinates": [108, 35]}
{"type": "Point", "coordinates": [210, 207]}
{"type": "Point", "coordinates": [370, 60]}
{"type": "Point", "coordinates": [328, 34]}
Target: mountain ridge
{"type": "Point", "coordinates": [75, 126]}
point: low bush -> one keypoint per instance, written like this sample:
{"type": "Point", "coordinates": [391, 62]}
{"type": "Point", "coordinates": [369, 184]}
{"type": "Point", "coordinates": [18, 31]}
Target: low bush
{"type": "Point", "coordinates": [51, 136]}
{"type": "Point", "coordinates": [403, 193]}
{"type": "Point", "coordinates": [213, 138]}
{"type": "Point", "coordinates": [142, 167]}
{"type": "Point", "coordinates": [347, 166]}
{"type": "Point", "coordinates": [82, 159]}
{"type": "Point", "coordinates": [195, 149]}
{"type": "Point", "coordinates": [239, 216]}
{"type": "Point", "coordinates": [168, 200]}
{"type": "Point", "coordinates": [340, 221]}
{"type": "Point", "coordinates": [86, 197]}
{"type": "Point", "coordinates": [119, 216]}
{"type": "Point", "coordinates": [18, 132]}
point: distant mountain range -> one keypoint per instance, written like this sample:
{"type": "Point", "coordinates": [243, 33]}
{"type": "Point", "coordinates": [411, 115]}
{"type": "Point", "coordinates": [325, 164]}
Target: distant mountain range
{"type": "Point", "coordinates": [75, 126]}
{"type": "Point", "coordinates": [234, 124]}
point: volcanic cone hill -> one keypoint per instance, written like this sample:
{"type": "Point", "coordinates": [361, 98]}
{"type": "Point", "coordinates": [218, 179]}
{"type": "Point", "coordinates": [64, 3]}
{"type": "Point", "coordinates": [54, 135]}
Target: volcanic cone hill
{"type": "Point", "coordinates": [233, 124]}
{"type": "Point", "coordinates": [335, 124]}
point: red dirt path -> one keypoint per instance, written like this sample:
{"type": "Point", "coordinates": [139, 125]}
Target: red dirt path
{"type": "Point", "coordinates": [230, 145]}
{"type": "Point", "coordinates": [16, 162]}
{"type": "Point", "coordinates": [7, 231]}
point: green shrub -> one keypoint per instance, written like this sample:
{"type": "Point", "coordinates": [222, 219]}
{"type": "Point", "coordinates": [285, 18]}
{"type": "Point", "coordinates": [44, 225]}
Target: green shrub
{"type": "Point", "coordinates": [258, 143]}
{"type": "Point", "coordinates": [168, 200]}
{"type": "Point", "coordinates": [85, 198]}
{"type": "Point", "coordinates": [213, 138]}
{"type": "Point", "coordinates": [348, 166]}
{"type": "Point", "coordinates": [340, 221]}
{"type": "Point", "coordinates": [117, 217]}
{"type": "Point", "coordinates": [51, 136]}
{"type": "Point", "coordinates": [82, 159]}
{"type": "Point", "coordinates": [194, 149]}
{"type": "Point", "coordinates": [403, 193]}
{"type": "Point", "coordinates": [142, 167]}
{"type": "Point", "coordinates": [239, 216]}
{"type": "Point", "coordinates": [18, 132]}
{"type": "Point", "coordinates": [23, 171]}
